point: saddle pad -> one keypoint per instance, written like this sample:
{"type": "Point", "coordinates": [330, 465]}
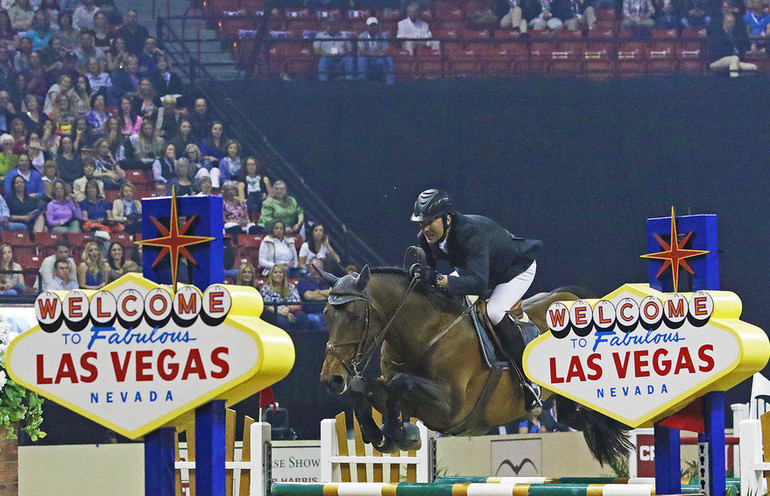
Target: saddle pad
{"type": "Point", "coordinates": [488, 353]}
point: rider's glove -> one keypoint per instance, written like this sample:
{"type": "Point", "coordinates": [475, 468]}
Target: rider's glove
{"type": "Point", "coordinates": [423, 273]}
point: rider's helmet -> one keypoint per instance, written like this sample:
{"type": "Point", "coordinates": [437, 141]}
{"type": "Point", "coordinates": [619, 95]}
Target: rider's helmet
{"type": "Point", "coordinates": [432, 204]}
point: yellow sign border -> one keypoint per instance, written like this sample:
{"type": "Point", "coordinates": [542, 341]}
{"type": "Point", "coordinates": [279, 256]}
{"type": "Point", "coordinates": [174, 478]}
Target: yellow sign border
{"type": "Point", "coordinates": [275, 358]}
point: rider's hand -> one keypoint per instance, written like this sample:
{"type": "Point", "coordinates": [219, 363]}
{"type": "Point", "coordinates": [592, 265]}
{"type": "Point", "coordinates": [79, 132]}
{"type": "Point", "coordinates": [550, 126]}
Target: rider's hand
{"type": "Point", "coordinates": [423, 273]}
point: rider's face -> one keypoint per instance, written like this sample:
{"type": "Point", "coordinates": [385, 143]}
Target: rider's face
{"type": "Point", "coordinates": [433, 230]}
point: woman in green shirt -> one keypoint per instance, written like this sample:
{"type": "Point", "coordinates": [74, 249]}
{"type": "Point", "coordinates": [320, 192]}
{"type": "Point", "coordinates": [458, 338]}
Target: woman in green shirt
{"type": "Point", "coordinates": [281, 206]}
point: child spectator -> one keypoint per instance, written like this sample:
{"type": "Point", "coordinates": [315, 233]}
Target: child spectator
{"type": "Point", "coordinates": [10, 284]}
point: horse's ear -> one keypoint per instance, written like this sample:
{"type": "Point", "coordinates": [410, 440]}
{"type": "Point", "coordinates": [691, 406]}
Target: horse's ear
{"type": "Point", "coordinates": [329, 279]}
{"type": "Point", "coordinates": [363, 278]}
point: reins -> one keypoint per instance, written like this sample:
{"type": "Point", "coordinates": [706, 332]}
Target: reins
{"type": "Point", "coordinates": [366, 355]}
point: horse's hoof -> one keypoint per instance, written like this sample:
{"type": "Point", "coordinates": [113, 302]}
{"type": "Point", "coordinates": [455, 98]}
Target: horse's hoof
{"type": "Point", "coordinates": [411, 439]}
{"type": "Point", "coordinates": [387, 446]}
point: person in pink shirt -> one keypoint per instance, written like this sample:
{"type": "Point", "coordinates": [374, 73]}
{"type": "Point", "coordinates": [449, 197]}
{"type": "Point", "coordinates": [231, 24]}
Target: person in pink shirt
{"type": "Point", "coordinates": [130, 122]}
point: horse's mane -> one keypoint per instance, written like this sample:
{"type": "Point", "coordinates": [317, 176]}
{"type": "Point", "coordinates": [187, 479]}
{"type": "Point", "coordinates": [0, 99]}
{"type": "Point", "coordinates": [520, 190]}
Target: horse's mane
{"type": "Point", "coordinates": [440, 298]}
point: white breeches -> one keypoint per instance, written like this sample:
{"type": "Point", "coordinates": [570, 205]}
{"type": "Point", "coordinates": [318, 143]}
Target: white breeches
{"type": "Point", "coordinates": [506, 295]}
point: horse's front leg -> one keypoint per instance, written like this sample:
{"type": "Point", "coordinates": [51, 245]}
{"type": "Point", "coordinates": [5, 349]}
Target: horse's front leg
{"type": "Point", "coordinates": [404, 389]}
{"type": "Point", "coordinates": [363, 392]}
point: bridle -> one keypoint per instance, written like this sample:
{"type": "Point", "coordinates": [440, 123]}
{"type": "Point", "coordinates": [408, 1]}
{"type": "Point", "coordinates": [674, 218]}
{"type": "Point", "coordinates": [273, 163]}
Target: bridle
{"type": "Point", "coordinates": [365, 347]}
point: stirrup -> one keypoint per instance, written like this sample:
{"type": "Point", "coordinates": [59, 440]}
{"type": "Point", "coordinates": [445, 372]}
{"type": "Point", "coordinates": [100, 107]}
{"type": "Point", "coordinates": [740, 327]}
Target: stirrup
{"type": "Point", "coordinates": [532, 395]}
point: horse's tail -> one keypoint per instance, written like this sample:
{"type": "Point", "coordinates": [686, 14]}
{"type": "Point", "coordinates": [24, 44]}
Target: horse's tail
{"type": "Point", "coordinates": [606, 438]}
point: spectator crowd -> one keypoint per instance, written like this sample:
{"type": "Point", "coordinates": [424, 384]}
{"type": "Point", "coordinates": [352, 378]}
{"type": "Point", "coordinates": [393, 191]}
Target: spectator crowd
{"type": "Point", "coordinates": [92, 119]}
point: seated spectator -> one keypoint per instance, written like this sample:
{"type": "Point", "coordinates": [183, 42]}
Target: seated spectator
{"type": "Point", "coordinates": [200, 120]}
{"type": "Point", "coordinates": [61, 280]}
{"type": "Point", "coordinates": [254, 186]}
{"type": "Point", "coordinates": [414, 28]}
{"type": "Point", "coordinates": [141, 150]}
{"type": "Point", "coordinates": [96, 211]}
{"type": "Point", "coordinates": [133, 32]}
{"type": "Point", "coordinates": [204, 186]}
{"type": "Point", "coordinates": [83, 17]}
{"type": "Point", "coordinates": [182, 137]}
{"type": "Point", "coordinates": [313, 288]}
{"type": "Point", "coordinates": [132, 267]}
{"type": "Point", "coordinates": [7, 33]}
{"type": "Point", "coordinates": [23, 208]}
{"type": "Point", "coordinates": [280, 206]}
{"type": "Point", "coordinates": [168, 118]}
{"type": "Point", "coordinates": [35, 186]}
{"type": "Point", "coordinates": [69, 36]}
{"type": "Point", "coordinates": [107, 168]}
{"type": "Point", "coordinates": [7, 109]}
{"type": "Point", "coordinates": [531, 424]}
{"type": "Point", "coordinates": [116, 262]}
{"type": "Point", "coordinates": [51, 8]}
{"type": "Point", "coordinates": [61, 213]}
{"type": "Point", "coordinates": [79, 185]}
{"type": "Point", "coordinates": [49, 140]}
{"type": "Point", "coordinates": [148, 59]}
{"type": "Point", "coordinates": [199, 167]}
{"type": "Point", "coordinates": [247, 276]}
{"type": "Point", "coordinates": [545, 19]}
{"type": "Point", "coordinates": [88, 50]}
{"type": "Point", "coordinates": [8, 159]}
{"type": "Point", "coordinates": [34, 118]}
{"type": "Point", "coordinates": [21, 14]}
{"type": "Point", "coordinates": [20, 134]}
{"type": "Point", "coordinates": [727, 45]}
{"type": "Point", "coordinates": [282, 302]}
{"type": "Point", "coordinates": [62, 87]}
{"type": "Point", "coordinates": [10, 284]}
{"type": "Point", "coordinates": [575, 15]}
{"type": "Point", "coordinates": [98, 115]}
{"type": "Point", "coordinates": [181, 180]}
{"type": "Point", "coordinates": [277, 249]}
{"type": "Point", "coordinates": [666, 14]}
{"type": "Point", "coordinates": [128, 209]}
{"type": "Point", "coordinates": [40, 31]}
{"type": "Point", "coordinates": [164, 81]}
{"type": "Point", "coordinates": [163, 167]}
{"type": "Point", "coordinates": [50, 175]}
{"type": "Point", "coordinates": [373, 60]}
{"type": "Point", "coordinates": [159, 189]}
{"type": "Point", "coordinates": [63, 116]}
{"type": "Point", "coordinates": [318, 247]}
{"type": "Point", "coordinates": [69, 163]}
{"type": "Point", "coordinates": [213, 148]}
{"type": "Point", "coordinates": [696, 14]}
{"type": "Point", "coordinates": [231, 166]}
{"type": "Point", "coordinates": [37, 156]}
{"type": "Point", "coordinates": [637, 14]}
{"type": "Point", "coordinates": [130, 121]}
{"type": "Point", "coordinates": [113, 134]}
{"type": "Point", "coordinates": [82, 94]}
{"type": "Point", "coordinates": [757, 20]}
{"type": "Point", "coordinates": [5, 219]}
{"type": "Point", "coordinates": [146, 101]}
{"type": "Point", "coordinates": [117, 56]}
{"type": "Point", "coordinates": [93, 271]}
{"type": "Point", "coordinates": [236, 214]}
{"type": "Point", "coordinates": [108, 7]}
{"type": "Point", "coordinates": [102, 30]}
{"type": "Point", "coordinates": [335, 57]}
{"type": "Point", "coordinates": [126, 79]}
{"type": "Point", "coordinates": [61, 252]}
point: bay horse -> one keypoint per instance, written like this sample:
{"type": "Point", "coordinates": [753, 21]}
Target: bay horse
{"type": "Point", "coordinates": [431, 364]}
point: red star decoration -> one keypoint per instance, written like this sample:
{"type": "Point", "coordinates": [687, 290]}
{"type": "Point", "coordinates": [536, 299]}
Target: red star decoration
{"type": "Point", "coordinates": [674, 254]}
{"type": "Point", "coordinates": [174, 240]}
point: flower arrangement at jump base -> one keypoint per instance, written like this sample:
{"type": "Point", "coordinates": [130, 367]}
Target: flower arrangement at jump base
{"type": "Point", "coordinates": [18, 405]}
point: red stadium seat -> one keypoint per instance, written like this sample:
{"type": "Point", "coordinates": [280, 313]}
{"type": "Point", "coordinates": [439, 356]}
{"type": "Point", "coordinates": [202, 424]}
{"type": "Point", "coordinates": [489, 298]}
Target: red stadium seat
{"type": "Point", "coordinates": [404, 63]}
{"type": "Point", "coordinates": [111, 195]}
{"type": "Point", "coordinates": [46, 241]}
{"type": "Point", "coordinates": [139, 177]}
{"type": "Point", "coordinates": [466, 62]}
{"type": "Point", "coordinates": [430, 63]}
{"type": "Point", "coordinates": [499, 61]}
{"type": "Point", "coordinates": [30, 262]}
{"type": "Point", "coordinates": [19, 241]}
{"type": "Point", "coordinates": [248, 247]}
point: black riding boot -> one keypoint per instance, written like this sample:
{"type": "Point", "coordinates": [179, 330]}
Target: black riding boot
{"type": "Point", "coordinates": [514, 337]}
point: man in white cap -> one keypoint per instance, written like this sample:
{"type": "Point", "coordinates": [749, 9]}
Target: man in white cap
{"type": "Point", "coordinates": [373, 59]}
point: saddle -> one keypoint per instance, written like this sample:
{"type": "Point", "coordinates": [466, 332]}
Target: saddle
{"type": "Point", "coordinates": [496, 350]}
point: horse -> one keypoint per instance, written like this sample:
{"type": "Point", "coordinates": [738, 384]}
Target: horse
{"type": "Point", "coordinates": [431, 364]}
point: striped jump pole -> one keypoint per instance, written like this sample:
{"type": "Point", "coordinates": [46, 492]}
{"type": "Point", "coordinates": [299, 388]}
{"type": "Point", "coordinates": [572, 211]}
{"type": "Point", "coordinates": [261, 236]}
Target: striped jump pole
{"type": "Point", "coordinates": [466, 489]}
{"type": "Point", "coordinates": [448, 479]}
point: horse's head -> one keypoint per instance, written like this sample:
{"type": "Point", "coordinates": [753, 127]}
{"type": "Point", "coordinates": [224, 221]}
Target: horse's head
{"type": "Point", "coordinates": [348, 320]}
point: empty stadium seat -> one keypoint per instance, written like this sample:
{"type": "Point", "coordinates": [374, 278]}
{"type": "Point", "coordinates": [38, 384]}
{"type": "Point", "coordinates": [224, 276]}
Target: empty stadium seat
{"type": "Point", "coordinates": [139, 177]}
{"type": "Point", "coordinates": [46, 241]}
{"type": "Point", "coordinates": [28, 262]}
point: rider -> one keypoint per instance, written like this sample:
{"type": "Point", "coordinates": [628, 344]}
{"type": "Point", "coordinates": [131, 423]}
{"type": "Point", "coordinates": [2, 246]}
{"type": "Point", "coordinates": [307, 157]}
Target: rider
{"type": "Point", "coordinates": [486, 257]}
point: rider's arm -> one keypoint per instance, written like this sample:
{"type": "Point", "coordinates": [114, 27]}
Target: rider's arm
{"type": "Point", "coordinates": [474, 275]}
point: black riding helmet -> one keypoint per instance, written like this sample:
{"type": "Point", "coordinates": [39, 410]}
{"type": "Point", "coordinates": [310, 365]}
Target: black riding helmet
{"type": "Point", "coordinates": [432, 204]}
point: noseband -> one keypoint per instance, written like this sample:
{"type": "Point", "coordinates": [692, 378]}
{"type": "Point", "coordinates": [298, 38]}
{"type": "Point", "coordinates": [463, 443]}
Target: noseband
{"type": "Point", "coordinates": [365, 348]}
